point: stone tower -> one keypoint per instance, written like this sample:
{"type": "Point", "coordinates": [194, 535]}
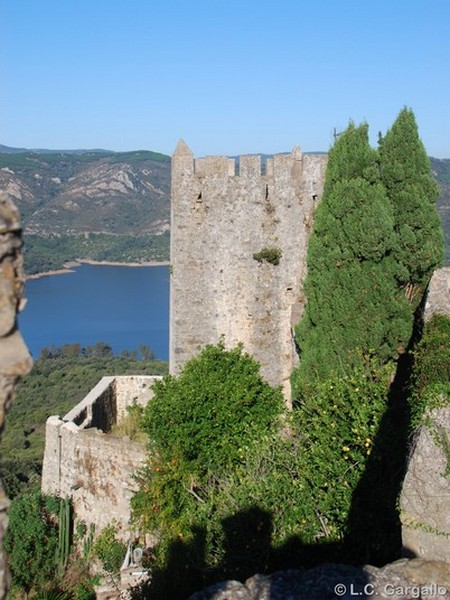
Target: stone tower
{"type": "Point", "coordinates": [225, 211]}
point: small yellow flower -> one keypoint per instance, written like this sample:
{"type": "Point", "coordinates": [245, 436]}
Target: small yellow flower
{"type": "Point", "coordinates": [346, 449]}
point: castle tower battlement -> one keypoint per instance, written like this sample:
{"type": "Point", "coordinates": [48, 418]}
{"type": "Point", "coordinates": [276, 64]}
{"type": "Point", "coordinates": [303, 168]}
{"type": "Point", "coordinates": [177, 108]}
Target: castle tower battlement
{"type": "Point", "coordinates": [225, 212]}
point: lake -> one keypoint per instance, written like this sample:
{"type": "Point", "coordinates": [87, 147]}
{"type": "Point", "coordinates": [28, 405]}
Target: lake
{"type": "Point", "coordinates": [122, 306]}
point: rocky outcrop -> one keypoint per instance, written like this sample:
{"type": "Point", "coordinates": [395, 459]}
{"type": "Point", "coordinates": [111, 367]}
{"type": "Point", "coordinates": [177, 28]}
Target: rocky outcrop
{"type": "Point", "coordinates": [406, 579]}
{"type": "Point", "coordinates": [425, 497]}
{"type": "Point", "coordinates": [15, 359]}
{"type": "Point", "coordinates": [438, 297]}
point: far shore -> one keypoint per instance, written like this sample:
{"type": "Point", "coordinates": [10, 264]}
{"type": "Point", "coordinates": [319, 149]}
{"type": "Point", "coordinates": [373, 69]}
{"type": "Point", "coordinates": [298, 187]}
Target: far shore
{"type": "Point", "coordinates": [69, 266]}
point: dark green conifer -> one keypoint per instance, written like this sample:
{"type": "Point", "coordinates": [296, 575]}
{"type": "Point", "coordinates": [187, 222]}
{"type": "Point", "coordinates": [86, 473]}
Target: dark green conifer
{"type": "Point", "coordinates": [353, 300]}
{"type": "Point", "coordinates": [405, 173]}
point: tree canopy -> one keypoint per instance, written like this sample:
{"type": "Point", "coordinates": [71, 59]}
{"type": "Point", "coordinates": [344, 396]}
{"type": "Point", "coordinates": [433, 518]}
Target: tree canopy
{"type": "Point", "coordinates": [412, 191]}
{"type": "Point", "coordinates": [354, 305]}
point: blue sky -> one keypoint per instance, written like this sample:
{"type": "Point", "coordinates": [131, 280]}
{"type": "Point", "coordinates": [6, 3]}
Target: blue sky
{"type": "Point", "coordinates": [229, 77]}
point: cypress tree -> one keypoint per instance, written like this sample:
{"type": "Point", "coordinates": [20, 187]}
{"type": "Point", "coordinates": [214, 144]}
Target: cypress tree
{"type": "Point", "coordinates": [405, 173]}
{"type": "Point", "coordinates": [353, 300]}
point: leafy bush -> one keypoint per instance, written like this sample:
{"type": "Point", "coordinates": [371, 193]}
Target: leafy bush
{"type": "Point", "coordinates": [31, 541]}
{"type": "Point", "coordinates": [267, 496]}
{"type": "Point", "coordinates": [212, 411]}
{"type": "Point", "coordinates": [431, 369]}
{"type": "Point", "coordinates": [270, 255]}
{"type": "Point", "coordinates": [432, 354]}
{"type": "Point", "coordinates": [109, 550]}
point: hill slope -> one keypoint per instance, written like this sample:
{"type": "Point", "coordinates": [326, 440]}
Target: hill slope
{"type": "Point", "coordinates": [95, 205]}
{"type": "Point", "coordinates": [441, 171]}
{"type": "Point", "coordinates": [67, 194]}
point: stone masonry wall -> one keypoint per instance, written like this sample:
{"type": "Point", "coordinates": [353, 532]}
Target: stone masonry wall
{"type": "Point", "coordinates": [90, 466]}
{"type": "Point", "coordinates": [222, 214]}
{"type": "Point", "coordinates": [15, 359]}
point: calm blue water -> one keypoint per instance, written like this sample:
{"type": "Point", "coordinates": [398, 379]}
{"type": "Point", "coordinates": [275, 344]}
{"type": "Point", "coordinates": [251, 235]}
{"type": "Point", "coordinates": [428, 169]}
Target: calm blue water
{"type": "Point", "coordinates": [122, 306]}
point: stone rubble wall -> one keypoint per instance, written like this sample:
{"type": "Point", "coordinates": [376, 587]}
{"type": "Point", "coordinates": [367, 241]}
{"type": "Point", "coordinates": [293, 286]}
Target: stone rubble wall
{"type": "Point", "coordinates": [84, 462]}
{"type": "Point", "coordinates": [223, 212]}
{"type": "Point", "coordinates": [15, 359]}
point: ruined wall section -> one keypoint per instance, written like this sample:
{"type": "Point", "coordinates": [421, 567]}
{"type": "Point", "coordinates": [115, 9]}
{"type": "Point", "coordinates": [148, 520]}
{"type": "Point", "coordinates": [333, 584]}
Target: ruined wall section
{"type": "Point", "coordinates": [95, 470]}
{"type": "Point", "coordinates": [222, 214]}
{"type": "Point", "coordinates": [86, 463]}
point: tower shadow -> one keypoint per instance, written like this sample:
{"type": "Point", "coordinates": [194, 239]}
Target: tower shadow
{"type": "Point", "coordinates": [373, 529]}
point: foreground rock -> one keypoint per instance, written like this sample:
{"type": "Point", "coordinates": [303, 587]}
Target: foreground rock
{"type": "Point", "coordinates": [14, 356]}
{"type": "Point", "coordinates": [406, 579]}
{"type": "Point", "coordinates": [438, 297]}
{"type": "Point", "coordinates": [425, 497]}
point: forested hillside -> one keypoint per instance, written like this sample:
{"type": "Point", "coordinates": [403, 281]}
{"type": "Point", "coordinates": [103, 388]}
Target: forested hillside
{"type": "Point", "coordinates": [441, 170]}
{"type": "Point", "coordinates": [94, 205]}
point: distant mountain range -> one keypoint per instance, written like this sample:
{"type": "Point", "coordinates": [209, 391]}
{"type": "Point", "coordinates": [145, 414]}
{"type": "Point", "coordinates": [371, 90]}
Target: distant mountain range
{"type": "Point", "coordinates": [10, 150]}
{"type": "Point", "coordinates": [67, 193]}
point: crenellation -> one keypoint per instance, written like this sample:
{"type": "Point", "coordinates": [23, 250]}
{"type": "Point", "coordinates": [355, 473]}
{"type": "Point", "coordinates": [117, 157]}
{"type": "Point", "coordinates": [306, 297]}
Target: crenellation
{"type": "Point", "coordinates": [250, 166]}
{"type": "Point", "coordinates": [210, 166]}
{"type": "Point", "coordinates": [269, 167]}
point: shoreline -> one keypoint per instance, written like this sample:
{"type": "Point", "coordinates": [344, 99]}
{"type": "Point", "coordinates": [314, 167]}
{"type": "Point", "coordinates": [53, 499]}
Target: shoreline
{"type": "Point", "coordinates": [68, 267]}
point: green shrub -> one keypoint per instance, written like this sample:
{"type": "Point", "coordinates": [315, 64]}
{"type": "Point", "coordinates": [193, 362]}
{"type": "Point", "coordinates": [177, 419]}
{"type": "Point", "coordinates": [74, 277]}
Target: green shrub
{"type": "Point", "coordinates": [31, 541]}
{"type": "Point", "coordinates": [270, 255]}
{"type": "Point", "coordinates": [267, 497]}
{"type": "Point", "coordinates": [432, 354]}
{"type": "Point", "coordinates": [342, 428]}
{"type": "Point", "coordinates": [109, 550]}
{"type": "Point", "coordinates": [430, 381]}
{"type": "Point", "coordinates": [211, 412]}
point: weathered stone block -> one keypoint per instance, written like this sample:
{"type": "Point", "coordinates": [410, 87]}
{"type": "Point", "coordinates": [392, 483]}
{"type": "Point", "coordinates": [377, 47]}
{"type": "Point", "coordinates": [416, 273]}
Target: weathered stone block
{"type": "Point", "coordinates": [425, 497]}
